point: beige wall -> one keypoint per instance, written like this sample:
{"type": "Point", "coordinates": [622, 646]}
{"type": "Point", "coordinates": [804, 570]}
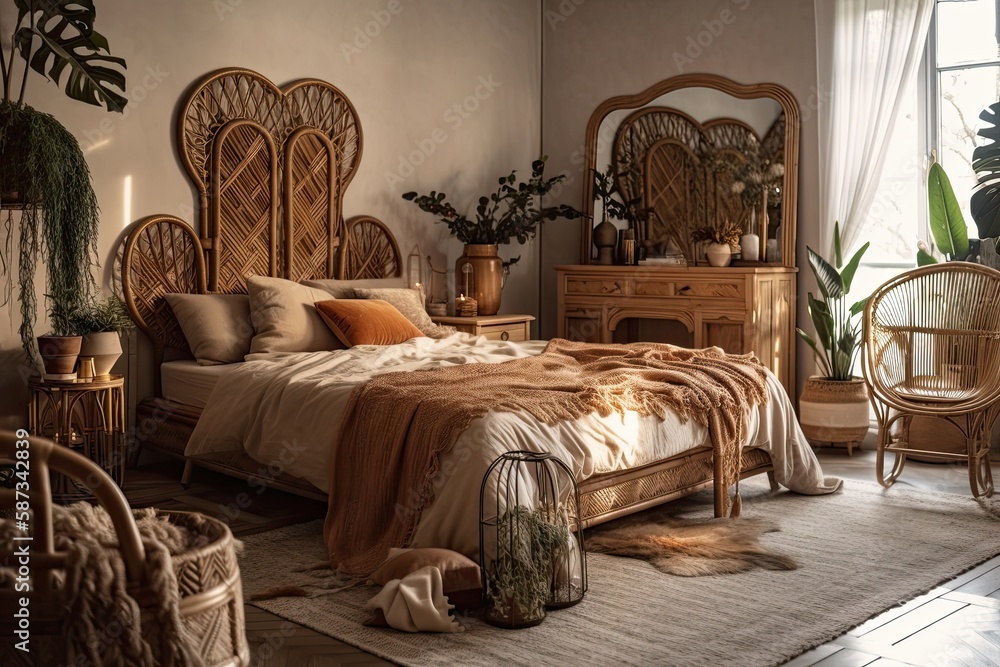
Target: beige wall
{"type": "Point", "coordinates": [596, 49]}
{"type": "Point", "coordinates": [418, 60]}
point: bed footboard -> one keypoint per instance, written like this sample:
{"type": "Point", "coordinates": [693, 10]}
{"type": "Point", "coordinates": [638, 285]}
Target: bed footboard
{"type": "Point", "coordinates": [612, 495]}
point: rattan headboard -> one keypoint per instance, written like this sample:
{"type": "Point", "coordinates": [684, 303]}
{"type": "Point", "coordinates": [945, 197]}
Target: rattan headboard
{"type": "Point", "coordinates": [270, 166]}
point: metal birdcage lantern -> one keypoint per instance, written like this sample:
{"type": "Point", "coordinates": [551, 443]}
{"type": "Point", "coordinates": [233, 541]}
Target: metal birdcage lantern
{"type": "Point", "coordinates": [531, 548]}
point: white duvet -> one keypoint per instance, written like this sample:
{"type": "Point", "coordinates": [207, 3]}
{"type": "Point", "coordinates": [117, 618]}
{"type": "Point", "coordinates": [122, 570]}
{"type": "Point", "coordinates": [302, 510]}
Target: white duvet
{"type": "Point", "coordinates": [285, 411]}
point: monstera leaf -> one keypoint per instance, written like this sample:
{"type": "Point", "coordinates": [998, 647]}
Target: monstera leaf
{"type": "Point", "coordinates": [985, 204]}
{"type": "Point", "coordinates": [60, 42]}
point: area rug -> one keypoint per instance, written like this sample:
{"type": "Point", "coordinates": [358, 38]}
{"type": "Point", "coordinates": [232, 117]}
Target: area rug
{"type": "Point", "coordinates": [860, 551]}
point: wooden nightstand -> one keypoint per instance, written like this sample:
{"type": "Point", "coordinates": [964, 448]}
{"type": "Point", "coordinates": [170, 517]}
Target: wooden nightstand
{"type": "Point", "coordinates": [88, 417]}
{"type": "Point", "coordinates": [494, 327]}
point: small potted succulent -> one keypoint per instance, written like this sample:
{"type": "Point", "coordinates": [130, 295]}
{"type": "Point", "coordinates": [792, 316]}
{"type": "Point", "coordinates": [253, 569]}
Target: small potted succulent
{"type": "Point", "coordinates": [101, 324]}
{"type": "Point", "coordinates": [720, 239]}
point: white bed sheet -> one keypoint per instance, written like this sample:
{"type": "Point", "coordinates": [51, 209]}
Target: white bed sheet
{"type": "Point", "coordinates": [187, 382]}
{"type": "Point", "coordinates": [286, 410]}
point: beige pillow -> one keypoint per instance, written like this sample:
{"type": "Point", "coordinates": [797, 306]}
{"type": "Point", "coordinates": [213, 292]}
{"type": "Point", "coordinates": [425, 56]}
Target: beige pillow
{"type": "Point", "coordinates": [284, 318]}
{"type": "Point", "coordinates": [366, 322]}
{"type": "Point", "coordinates": [460, 575]}
{"type": "Point", "coordinates": [217, 327]}
{"type": "Point", "coordinates": [343, 289]}
{"type": "Point", "coordinates": [408, 302]}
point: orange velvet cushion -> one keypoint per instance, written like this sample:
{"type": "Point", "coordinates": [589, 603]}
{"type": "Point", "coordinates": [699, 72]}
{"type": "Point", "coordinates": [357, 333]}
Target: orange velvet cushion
{"type": "Point", "coordinates": [366, 322]}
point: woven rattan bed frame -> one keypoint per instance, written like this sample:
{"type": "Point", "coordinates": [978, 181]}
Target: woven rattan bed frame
{"type": "Point", "coordinates": [270, 166]}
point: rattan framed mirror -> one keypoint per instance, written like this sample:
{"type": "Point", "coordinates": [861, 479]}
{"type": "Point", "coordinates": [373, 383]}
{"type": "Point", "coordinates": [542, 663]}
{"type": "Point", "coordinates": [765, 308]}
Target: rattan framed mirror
{"type": "Point", "coordinates": [676, 147]}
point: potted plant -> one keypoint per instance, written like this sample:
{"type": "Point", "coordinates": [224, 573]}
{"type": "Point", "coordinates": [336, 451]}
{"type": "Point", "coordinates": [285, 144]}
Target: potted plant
{"type": "Point", "coordinates": [519, 581]}
{"type": "Point", "coordinates": [511, 212]}
{"type": "Point", "coordinates": [612, 207]}
{"type": "Point", "coordinates": [720, 240]}
{"type": "Point", "coordinates": [43, 171]}
{"type": "Point", "coordinates": [834, 405]}
{"type": "Point", "coordinates": [101, 324]}
{"type": "Point", "coordinates": [950, 235]}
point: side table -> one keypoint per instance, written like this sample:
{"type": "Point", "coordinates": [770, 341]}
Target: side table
{"type": "Point", "coordinates": [87, 416]}
{"type": "Point", "coordinates": [495, 327]}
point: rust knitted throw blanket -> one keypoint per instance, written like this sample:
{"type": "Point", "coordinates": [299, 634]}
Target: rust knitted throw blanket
{"type": "Point", "coordinates": [398, 425]}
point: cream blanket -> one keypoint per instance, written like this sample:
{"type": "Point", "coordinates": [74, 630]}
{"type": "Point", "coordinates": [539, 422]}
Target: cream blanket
{"type": "Point", "coordinates": [285, 410]}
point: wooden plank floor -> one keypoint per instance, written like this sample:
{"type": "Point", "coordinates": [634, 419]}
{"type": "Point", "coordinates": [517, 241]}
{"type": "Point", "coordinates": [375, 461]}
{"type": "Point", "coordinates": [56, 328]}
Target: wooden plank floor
{"type": "Point", "coordinates": [957, 623]}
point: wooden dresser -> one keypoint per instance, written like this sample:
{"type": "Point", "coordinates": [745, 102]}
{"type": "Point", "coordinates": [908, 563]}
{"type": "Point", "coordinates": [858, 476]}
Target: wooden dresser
{"type": "Point", "coordinates": [740, 309]}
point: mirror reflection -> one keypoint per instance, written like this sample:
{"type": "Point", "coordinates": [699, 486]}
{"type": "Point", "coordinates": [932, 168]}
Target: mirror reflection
{"type": "Point", "coordinates": [694, 158]}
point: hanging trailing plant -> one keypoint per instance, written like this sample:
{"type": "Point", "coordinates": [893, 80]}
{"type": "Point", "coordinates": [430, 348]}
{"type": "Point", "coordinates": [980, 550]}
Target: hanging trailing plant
{"type": "Point", "coordinates": [43, 172]}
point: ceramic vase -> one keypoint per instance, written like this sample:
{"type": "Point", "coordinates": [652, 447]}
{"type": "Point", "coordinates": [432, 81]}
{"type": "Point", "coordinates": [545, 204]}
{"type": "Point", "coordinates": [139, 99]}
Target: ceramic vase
{"type": "Point", "coordinates": [750, 247]}
{"type": "Point", "coordinates": [105, 347]}
{"type": "Point", "coordinates": [719, 254]}
{"type": "Point", "coordinates": [484, 282]}
{"type": "Point", "coordinates": [605, 238]}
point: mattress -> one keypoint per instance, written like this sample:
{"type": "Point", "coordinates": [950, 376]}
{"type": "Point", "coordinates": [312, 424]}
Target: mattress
{"type": "Point", "coordinates": [189, 383]}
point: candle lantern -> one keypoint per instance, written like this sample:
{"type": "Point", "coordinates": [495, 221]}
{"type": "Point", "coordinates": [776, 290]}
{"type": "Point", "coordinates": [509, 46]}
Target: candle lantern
{"type": "Point", "coordinates": [437, 290]}
{"type": "Point", "coordinates": [414, 272]}
{"type": "Point", "coordinates": [531, 550]}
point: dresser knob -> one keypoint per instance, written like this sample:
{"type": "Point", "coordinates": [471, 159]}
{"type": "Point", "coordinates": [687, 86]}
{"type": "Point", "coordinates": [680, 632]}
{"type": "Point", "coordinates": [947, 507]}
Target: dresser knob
{"type": "Point", "coordinates": [504, 335]}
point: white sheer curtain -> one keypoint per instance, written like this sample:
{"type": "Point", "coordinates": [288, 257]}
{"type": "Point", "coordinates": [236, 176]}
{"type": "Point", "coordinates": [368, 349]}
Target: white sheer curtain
{"type": "Point", "coordinates": [865, 63]}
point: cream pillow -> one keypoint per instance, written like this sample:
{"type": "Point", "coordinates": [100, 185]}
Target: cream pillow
{"type": "Point", "coordinates": [343, 289]}
{"type": "Point", "coordinates": [216, 326]}
{"type": "Point", "coordinates": [284, 318]}
{"type": "Point", "coordinates": [408, 302]}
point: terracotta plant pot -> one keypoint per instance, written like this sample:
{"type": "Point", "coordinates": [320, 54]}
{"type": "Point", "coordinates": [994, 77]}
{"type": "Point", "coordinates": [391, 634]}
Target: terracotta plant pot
{"type": "Point", "coordinates": [834, 411]}
{"type": "Point", "coordinates": [59, 353]}
{"type": "Point", "coordinates": [484, 282]}
{"type": "Point", "coordinates": [105, 347]}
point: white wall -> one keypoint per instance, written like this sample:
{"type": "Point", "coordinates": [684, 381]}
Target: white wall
{"type": "Point", "coordinates": [596, 49]}
{"type": "Point", "coordinates": [418, 60]}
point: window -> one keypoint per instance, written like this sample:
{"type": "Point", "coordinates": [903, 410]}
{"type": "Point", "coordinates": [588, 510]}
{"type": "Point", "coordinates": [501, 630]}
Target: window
{"type": "Point", "coordinates": [965, 45]}
{"type": "Point", "coordinates": [959, 77]}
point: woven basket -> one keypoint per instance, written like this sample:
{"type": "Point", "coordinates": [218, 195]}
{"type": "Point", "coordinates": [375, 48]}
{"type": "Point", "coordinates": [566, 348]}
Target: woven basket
{"type": "Point", "coordinates": [211, 605]}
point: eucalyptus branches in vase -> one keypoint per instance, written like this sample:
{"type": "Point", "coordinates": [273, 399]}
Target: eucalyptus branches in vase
{"type": "Point", "coordinates": [513, 211]}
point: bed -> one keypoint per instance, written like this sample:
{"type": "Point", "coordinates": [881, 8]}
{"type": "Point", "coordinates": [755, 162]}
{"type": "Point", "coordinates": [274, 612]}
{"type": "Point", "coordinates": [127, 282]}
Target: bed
{"type": "Point", "coordinates": [270, 166]}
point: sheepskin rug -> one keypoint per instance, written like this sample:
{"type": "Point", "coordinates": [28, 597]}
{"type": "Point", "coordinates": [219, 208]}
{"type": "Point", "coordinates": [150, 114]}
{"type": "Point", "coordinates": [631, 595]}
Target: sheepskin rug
{"type": "Point", "coordinates": [690, 548]}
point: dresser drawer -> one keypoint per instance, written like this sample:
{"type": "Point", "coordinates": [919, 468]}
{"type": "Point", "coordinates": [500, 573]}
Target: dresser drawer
{"type": "Point", "coordinates": [596, 285]}
{"type": "Point", "coordinates": [717, 289]}
{"type": "Point", "coordinates": [512, 332]}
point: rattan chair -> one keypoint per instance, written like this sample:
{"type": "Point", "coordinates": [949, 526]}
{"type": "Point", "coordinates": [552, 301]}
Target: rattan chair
{"type": "Point", "coordinates": [932, 348]}
{"type": "Point", "coordinates": [211, 602]}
